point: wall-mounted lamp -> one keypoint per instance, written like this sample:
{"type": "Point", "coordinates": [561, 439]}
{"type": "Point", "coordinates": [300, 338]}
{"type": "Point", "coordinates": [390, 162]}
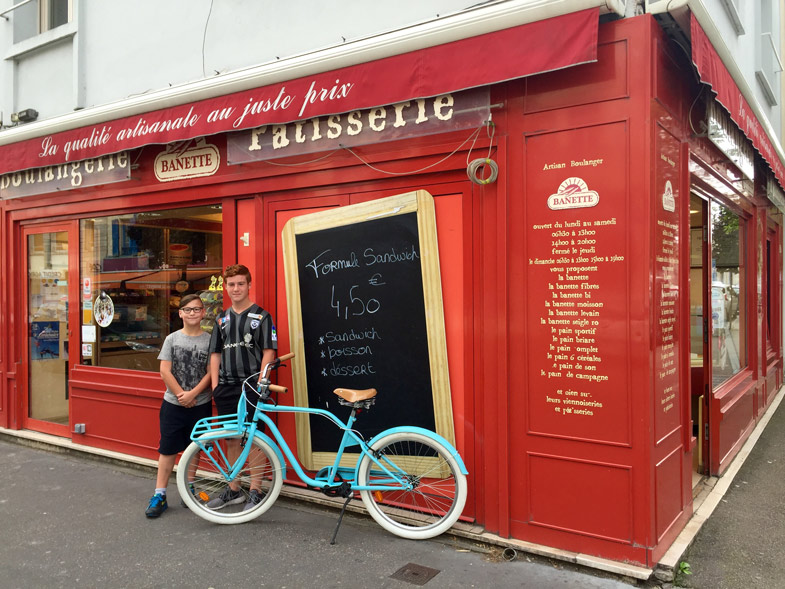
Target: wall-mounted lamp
{"type": "Point", "coordinates": [24, 116]}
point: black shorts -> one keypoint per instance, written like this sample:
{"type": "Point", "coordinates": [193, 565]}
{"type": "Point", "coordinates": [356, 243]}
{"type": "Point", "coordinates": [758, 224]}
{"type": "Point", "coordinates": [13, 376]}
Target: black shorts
{"type": "Point", "coordinates": [177, 423]}
{"type": "Point", "coordinates": [227, 396]}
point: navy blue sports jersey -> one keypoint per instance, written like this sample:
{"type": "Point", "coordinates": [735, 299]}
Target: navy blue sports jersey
{"type": "Point", "coordinates": [241, 339]}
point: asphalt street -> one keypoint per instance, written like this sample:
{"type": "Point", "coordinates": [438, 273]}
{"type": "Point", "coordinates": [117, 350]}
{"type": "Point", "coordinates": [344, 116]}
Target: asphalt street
{"type": "Point", "coordinates": [67, 521]}
{"type": "Point", "coordinates": [741, 545]}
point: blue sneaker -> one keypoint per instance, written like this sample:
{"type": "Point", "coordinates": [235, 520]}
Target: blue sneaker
{"type": "Point", "coordinates": [157, 506]}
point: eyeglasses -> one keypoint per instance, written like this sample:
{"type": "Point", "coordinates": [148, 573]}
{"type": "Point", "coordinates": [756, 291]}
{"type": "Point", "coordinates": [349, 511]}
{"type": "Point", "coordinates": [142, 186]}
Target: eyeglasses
{"type": "Point", "coordinates": [189, 310]}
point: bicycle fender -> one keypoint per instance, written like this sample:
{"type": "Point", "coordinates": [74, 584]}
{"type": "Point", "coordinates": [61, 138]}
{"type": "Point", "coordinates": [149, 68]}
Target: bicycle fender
{"type": "Point", "coordinates": [428, 434]}
{"type": "Point", "coordinates": [275, 447]}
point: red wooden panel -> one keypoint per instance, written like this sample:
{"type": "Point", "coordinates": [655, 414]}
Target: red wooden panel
{"type": "Point", "coordinates": [731, 424]}
{"type": "Point", "coordinates": [137, 433]}
{"type": "Point", "coordinates": [606, 79]}
{"type": "Point", "coordinates": [670, 75]}
{"type": "Point", "coordinates": [250, 226]}
{"type": "Point", "coordinates": [568, 495]}
{"type": "Point", "coordinates": [667, 490]}
{"type": "Point", "coordinates": [771, 381]}
{"type": "Point", "coordinates": [118, 407]}
{"type": "Point", "coordinates": [4, 376]}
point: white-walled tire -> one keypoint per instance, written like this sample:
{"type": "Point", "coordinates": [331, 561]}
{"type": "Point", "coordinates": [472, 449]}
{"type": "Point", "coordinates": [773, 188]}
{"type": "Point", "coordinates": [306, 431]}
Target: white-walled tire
{"type": "Point", "coordinates": [438, 495]}
{"type": "Point", "coordinates": [262, 469]}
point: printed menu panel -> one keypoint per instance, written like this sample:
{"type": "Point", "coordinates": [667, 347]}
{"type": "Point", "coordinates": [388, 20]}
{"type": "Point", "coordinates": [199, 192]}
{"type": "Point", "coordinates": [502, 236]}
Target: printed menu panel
{"type": "Point", "coordinates": [666, 285]}
{"type": "Point", "coordinates": [577, 283]}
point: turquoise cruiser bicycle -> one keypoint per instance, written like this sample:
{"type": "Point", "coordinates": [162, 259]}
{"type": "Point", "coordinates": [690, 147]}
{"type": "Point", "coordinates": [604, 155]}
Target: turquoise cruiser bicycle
{"type": "Point", "coordinates": [411, 480]}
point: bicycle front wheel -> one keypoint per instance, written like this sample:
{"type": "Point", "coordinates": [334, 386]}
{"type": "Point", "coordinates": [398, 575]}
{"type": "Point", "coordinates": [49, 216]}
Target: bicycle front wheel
{"type": "Point", "coordinates": [432, 489]}
{"type": "Point", "coordinates": [202, 479]}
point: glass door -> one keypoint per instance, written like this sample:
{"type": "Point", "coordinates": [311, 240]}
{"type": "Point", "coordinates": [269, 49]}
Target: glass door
{"type": "Point", "coordinates": [50, 261]}
{"type": "Point", "coordinates": [700, 350]}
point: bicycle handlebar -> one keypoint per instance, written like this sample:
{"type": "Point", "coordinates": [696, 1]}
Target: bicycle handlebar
{"type": "Point", "coordinates": [285, 357]}
{"type": "Point", "coordinates": [276, 388]}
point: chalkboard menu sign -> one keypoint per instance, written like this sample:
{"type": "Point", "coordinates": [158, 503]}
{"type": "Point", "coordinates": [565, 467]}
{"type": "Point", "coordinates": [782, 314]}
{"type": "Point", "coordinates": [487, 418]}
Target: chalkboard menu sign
{"type": "Point", "coordinates": [365, 311]}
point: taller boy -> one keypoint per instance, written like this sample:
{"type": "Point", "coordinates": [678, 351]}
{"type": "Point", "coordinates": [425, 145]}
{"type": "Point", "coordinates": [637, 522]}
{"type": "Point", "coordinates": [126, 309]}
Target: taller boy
{"type": "Point", "coordinates": [242, 343]}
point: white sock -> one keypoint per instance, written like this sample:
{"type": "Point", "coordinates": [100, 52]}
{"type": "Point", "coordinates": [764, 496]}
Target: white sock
{"type": "Point", "coordinates": [161, 492]}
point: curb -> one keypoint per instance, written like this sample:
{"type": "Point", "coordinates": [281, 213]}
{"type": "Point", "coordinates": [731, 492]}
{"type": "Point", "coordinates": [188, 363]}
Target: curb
{"type": "Point", "coordinates": [714, 489]}
{"type": "Point", "coordinates": [708, 499]}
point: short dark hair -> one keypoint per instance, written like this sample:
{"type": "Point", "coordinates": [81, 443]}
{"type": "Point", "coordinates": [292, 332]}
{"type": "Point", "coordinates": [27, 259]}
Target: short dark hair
{"type": "Point", "coordinates": [188, 298]}
{"type": "Point", "coordinates": [237, 270]}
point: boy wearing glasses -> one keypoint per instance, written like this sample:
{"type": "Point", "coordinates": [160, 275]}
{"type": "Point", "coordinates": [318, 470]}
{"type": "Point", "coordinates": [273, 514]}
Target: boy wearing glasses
{"type": "Point", "coordinates": [184, 368]}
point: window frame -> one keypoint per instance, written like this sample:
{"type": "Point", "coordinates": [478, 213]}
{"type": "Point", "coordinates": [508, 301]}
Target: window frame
{"type": "Point", "coordinates": [768, 64]}
{"type": "Point", "coordinates": [44, 33]}
{"type": "Point", "coordinates": [734, 10]}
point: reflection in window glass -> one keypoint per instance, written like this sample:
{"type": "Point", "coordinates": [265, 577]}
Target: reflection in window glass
{"type": "Point", "coordinates": [696, 281]}
{"type": "Point", "coordinates": [38, 16]}
{"type": "Point", "coordinates": [56, 13]}
{"type": "Point", "coordinates": [728, 317]}
{"type": "Point", "coordinates": [134, 270]}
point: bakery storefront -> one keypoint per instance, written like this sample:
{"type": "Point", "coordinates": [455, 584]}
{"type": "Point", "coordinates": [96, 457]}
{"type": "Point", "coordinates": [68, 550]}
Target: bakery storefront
{"type": "Point", "coordinates": [610, 283]}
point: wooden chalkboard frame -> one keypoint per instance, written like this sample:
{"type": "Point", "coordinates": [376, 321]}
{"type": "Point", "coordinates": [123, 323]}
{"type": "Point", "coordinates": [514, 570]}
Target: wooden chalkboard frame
{"type": "Point", "coordinates": [421, 203]}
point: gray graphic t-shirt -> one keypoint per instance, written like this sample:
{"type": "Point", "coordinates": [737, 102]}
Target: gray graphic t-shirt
{"type": "Point", "coordinates": [189, 355]}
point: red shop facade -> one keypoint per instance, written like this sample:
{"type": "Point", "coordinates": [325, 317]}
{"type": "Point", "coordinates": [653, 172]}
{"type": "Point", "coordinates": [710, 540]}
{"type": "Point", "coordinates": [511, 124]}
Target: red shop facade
{"type": "Point", "coordinates": [612, 299]}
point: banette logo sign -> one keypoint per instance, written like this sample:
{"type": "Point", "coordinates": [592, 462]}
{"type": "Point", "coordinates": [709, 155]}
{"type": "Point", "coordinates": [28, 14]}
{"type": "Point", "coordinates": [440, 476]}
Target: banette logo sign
{"type": "Point", "coordinates": [573, 193]}
{"type": "Point", "coordinates": [187, 160]}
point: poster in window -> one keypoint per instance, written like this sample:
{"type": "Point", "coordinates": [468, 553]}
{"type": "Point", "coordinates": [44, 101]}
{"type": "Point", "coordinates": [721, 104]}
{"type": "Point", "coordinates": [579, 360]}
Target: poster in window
{"type": "Point", "coordinates": [46, 340]}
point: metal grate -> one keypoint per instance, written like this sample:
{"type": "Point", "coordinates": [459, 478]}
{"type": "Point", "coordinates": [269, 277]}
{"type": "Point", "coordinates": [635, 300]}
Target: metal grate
{"type": "Point", "coordinates": [415, 574]}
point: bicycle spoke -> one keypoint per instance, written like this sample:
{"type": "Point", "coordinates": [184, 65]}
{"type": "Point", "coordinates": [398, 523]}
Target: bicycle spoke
{"type": "Point", "coordinates": [218, 497]}
{"type": "Point", "coordinates": [432, 489]}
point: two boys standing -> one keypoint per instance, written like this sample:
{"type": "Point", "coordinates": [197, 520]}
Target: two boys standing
{"type": "Point", "coordinates": [196, 365]}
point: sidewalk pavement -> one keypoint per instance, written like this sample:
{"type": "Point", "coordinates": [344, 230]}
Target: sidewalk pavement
{"type": "Point", "coordinates": [71, 522]}
{"type": "Point", "coordinates": [74, 515]}
{"type": "Point", "coordinates": [741, 545]}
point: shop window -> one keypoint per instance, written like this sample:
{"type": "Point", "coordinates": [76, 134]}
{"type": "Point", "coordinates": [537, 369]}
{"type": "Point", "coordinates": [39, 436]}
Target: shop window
{"type": "Point", "coordinates": [39, 16]}
{"type": "Point", "coordinates": [728, 309]}
{"type": "Point", "coordinates": [134, 270]}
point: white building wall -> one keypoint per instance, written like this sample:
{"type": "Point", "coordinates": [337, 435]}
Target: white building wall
{"type": "Point", "coordinates": [782, 75]}
{"type": "Point", "coordinates": [741, 26]}
{"type": "Point", "coordinates": [112, 50]}
{"type": "Point", "coordinates": [46, 82]}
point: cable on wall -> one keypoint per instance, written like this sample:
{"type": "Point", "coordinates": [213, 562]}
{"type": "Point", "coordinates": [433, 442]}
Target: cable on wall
{"type": "Point", "coordinates": [476, 169]}
{"type": "Point", "coordinates": [204, 36]}
{"type": "Point", "coordinates": [472, 169]}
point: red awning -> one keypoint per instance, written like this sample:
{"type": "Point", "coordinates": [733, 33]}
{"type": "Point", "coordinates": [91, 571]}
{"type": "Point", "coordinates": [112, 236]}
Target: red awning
{"type": "Point", "coordinates": [520, 51]}
{"type": "Point", "coordinates": [714, 73]}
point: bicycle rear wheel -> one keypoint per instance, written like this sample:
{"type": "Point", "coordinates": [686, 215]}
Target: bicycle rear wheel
{"type": "Point", "coordinates": [201, 479]}
{"type": "Point", "coordinates": [432, 490]}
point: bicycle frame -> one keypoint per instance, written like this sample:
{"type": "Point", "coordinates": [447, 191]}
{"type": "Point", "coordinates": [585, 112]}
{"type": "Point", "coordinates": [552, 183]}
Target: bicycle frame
{"type": "Point", "coordinates": [202, 436]}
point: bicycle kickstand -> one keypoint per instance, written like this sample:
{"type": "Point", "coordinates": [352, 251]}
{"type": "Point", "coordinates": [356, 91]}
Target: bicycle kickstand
{"type": "Point", "coordinates": [340, 518]}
